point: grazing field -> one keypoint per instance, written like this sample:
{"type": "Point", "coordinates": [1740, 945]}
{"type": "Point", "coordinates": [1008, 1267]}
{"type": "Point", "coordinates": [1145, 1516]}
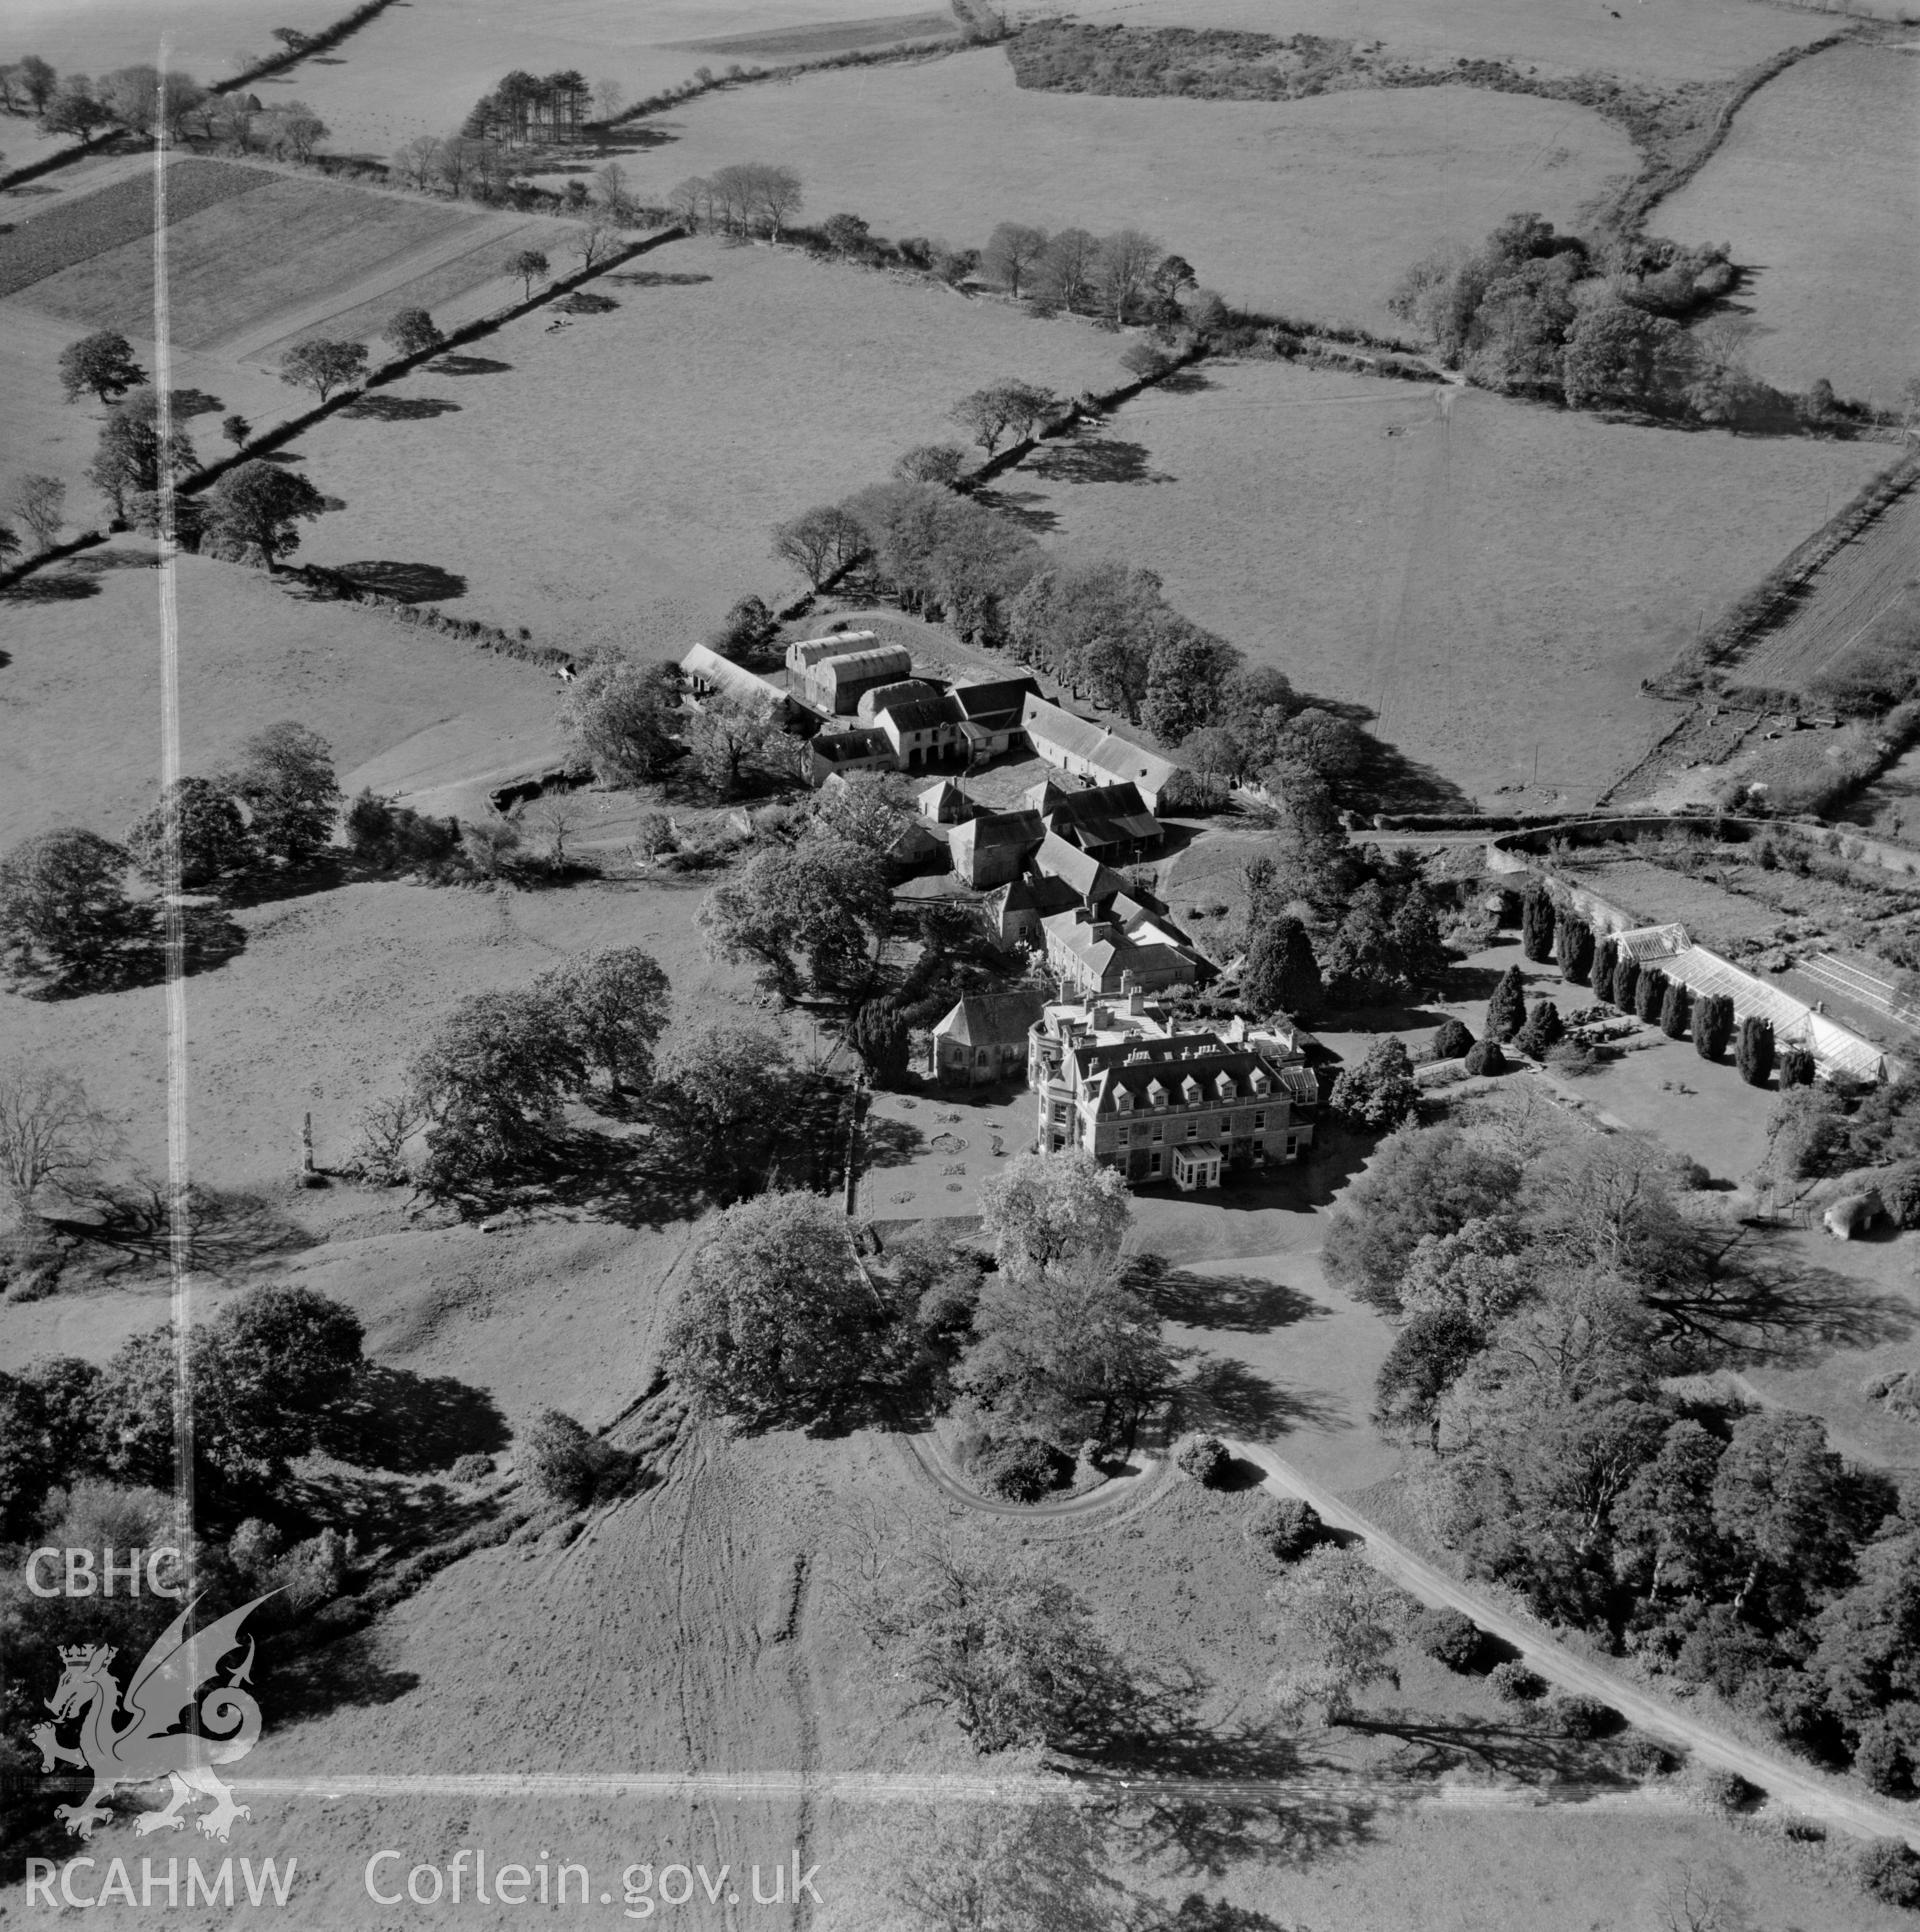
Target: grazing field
{"type": "Point", "coordinates": [1702, 40]}
{"type": "Point", "coordinates": [80, 694]}
{"type": "Point", "coordinates": [1814, 188]}
{"type": "Point", "coordinates": [1492, 578]}
{"type": "Point", "coordinates": [620, 478]}
{"type": "Point", "coordinates": [1861, 582]}
{"type": "Point", "coordinates": [244, 261]}
{"type": "Point", "coordinates": [113, 219]}
{"type": "Point", "coordinates": [203, 36]}
{"type": "Point", "coordinates": [1315, 207]}
{"type": "Point", "coordinates": [418, 68]}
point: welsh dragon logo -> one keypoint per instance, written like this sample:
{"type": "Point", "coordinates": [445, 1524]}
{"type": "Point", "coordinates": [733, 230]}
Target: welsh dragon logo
{"type": "Point", "coordinates": [150, 1744]}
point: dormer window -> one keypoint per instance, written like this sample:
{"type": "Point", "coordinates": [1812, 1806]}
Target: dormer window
{"type": "Point", "coordinates": [1156, 1094]}
{"type": "Point", "coordinates": [1260, 1082]}
{"type": "Point", "coordinates": [1190, 1091]}
{"type": "Point", "coordinates": [1123, 1101]}
{"type": "Point", "coordinates": [1224, 1087]}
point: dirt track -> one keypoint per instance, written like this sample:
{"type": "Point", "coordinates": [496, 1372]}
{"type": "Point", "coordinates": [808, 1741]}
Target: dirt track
{"type": "Point", "coordinates": [1805, 1793]}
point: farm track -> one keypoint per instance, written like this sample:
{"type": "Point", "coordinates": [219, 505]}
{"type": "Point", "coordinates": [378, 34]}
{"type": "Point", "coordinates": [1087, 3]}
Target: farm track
{"type": "Point", "coordinates": [1803, 1793]}
{"type": "Point", "coordinates": [1418, 497]}
{"type": "Point", "coordinates": [1862, 580]}
{"type": "Point", "coordinates": [1111, 1502]}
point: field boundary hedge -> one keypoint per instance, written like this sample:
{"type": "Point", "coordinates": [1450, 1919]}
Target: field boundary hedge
{"type": "Point", "coordinates": [323, 42]}
{"type": "Point", "coordinates": [61, 158]}
{"type": "Point", "coordinates": [1766, 604]}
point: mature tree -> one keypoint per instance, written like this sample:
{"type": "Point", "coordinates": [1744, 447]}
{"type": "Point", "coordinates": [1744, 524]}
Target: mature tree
{"type": "Point", "coordinates": [1650, 994]}
{"type": "Point", "coordinates": [1753, 1054]}
{"type": "Point", "coordinates": [285, 779]}
{"type": "Point", "coordinates": [1335, 1621]}
{"type": "Point", "coordinates": [235, 428]}
{"type": "Point", "coordinates": [209, 838]}
{"type": "Point", "coordinates": [931, 463]}
{"type": "Point", "coordinates": [748, 629]}
{"type": "Point", "coordinates": [1507, 1010]}
{"type": "Point", "coordinates": [1028, 406]}
{"type": "Point", "coordinates": [324, 366]}
{"type": "Point", "coordinates": [820, 543]}
{"type": "Point", "coordinates": [491, 1081]}
{"type": "Point", "coordinates": [102, 362]}
{"type": "Point", "coordinates": [1043, 1209]}
{"type": "Point", "coordinates": [1379, 1093]}
{"type": "Point", "coordinates": [530, 265]}
{"type": "Point", "coordinates": [132, 458]}
{"type": "Point", "coordinates": [715, 1099]}
{"type": "Point", "coordinates": [132, 96]}
{"type": "Point", "coordinates": [411, 332]}
{"type": "Point", "coordinates": [1483, 1270]}
{"type": "Point", "coordinates": [1424, 1362]}
{"type": "Point", "coordinates": [1536, 924]}
{"type": "Point", "coordinates": [773, 196]}
{"type": "Point", "coordinates": [869, 807]}
{"type": "Point", "coordinates": [1281, 974]}
{"type": "Point", "coordinates": [614, 1003]}
{"type": "Point", "coordinates": [66, 922]}
{"type": "Point", "coordinates": [822, 904]}
{"type": "Point", "coordinates": [53, 1139]}
{"type": "Point", "coordinates": [293, 129]}
{"type": "Point", "coordinates": [416, 162]}
{"type": "Point", "coordinates": [1868, 1657]}
{"type": "Point", "coordinates": [1123, 266]}
{"type": "Point", "coordinates": [620, 717]}
{"type": "Point", "coordinates": [267, 1370]}
{"type": "Point", "coordinates": [984, 415]}
{"type": "Point", "coordinates": [258, 508]}
{"type": "Point", "coordinates": [1012, 253]}
{"type": "Point", "coordinates": [40, 502]}
{"type": "Point", "coordinates": [1606, 955]}
{"type": "Point", "coordinates": [1618, 355]}
{"type": "Point", "coordinates": [1010, 1651]}
{"type": "Point", "coordinates": [1543, 1031]}
{"type": "Point", "coordinates": [1573, 948]}
{"type": "Point", "coordinates": [847, 234]}
{"type": "Point", "coordinates": [593, 239]}
{"type": "Point", "coordinates": [1065, 276]}
{"type": "Point", "coordinates": [880, 1035]}
{"type": "Point", "coordinates": [1625, 989]}
{"type": "Point", "coordinates": [1187, 673]}
{"type": "Point", "coordinates": [1430, 1180]}
{"type": "Point", "coordinates": [1797, 1066]}
{"type": "Point", "coordinates": [1069, 1350]}
{"type": "Point", "coordinates": [76, 109]}
{"type": "Point", "coordinates": [778, 1320]}
{"type": "Point", "coordinates": [35, 78]}
{"type": "Point", "coordinates": [725, 735]}
{"type": "Point", "coordinates": [1096, 626]}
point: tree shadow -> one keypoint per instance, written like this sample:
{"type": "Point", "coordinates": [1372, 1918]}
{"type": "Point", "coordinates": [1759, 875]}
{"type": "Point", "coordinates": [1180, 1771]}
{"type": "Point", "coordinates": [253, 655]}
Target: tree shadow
{"type": "Point", "coordinates": [1390, 781]}
{"type": "Point", "coordinates": [318, 1677]}
{"type": "Point", "coordinates": [1226, 1396]}
{"type": "Point", "coordinates": [189, 403]}
{"type": "Point", "coordinates": [1529, 1752]}
{"type": "Point", "coordinates": [68, 587]}
{"type": "Point", "coordinates": [399, 409]}
{"type": "Point", "coordinates": [226, 1229]}
{"type": "Point", "coordinates": [1095, 459]}
{"type": "Point", "coordinates": [636, 140]}
{"type": "Point", "coordinates": [1187, 382]}
{"type": "Point", "coordinates": [886, 1142]}
{"type": "Point", "coordinates": [412, 1424]}
{"type": "Point", "coordinates": [656, 278]}
{"type": "Point", "coordinates": [1019, 506]}
{"type": "Point", "coordinates": [463, 365]}
{"type": "Point", "coordinates": [405, 583]}
{"type": "Point", "coordinates": [1244, 1303]}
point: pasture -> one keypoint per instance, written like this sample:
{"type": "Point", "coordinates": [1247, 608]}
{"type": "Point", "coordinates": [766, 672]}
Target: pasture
{"type": "Point", "coordinates": [1814, 189]}
{"type": "Point", "coordinates": [1703, 40]}
{"type": "Point", "coordinates": [1314, 207]}
{"type": "Point", "coordinates": [204, 37]}
{"type": "Point", "coordinates": [618, 479]}
{"type": "Point", "coordinates": [417, 70]}
{"type": "Point", "coordinates": [1492, 578]}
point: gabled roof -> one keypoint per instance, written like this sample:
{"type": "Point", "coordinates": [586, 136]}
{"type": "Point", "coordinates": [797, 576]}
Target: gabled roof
{"type": "Point", "coordinates": [1113, 953]}
{"type": "Point", "coordinates": [994, 830]}
{"type": "Point", "coordinates": [1115, 758]}
{"type": "Point", "coordinates": [993, 1019]}
{"type": "Point", "coordinates": [914, 714]}
{"type": "Point", "coordinates": [1003, 697]}
{"type": "Point", "coordinates": [942, 797]}
{"type": "Point", "coordinates": [1100, 815]}
{"type": "Point", "coordinates": [1030, 894]}
{"type": "Point", "coordinates": [724, 675]}
{"type": "Point", "coordinates": [882, 696]}
{"type": "Point", "coordinates": [1081, 870]}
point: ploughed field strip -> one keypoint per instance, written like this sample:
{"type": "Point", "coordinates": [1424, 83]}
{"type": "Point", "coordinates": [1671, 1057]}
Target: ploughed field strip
{"type": "Point", "coordinates": [123, 213]}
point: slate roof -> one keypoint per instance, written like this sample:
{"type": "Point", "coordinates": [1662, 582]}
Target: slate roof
{"type": "Point", "coordinates": [993, 1019]}
{"type": "Point", "coordinates": [914, 714]}
{"type": "Point", "coordinates": [1001, 699]}
{"type": "Point", "coordinates": [1114, 757]}
{"type": "Point", "coordinates": [1133, 1066]}
{"type": "Point", "coordinates": [1081, 870]}
{"type": "Point", "coordinates": [1115, 953]}
{"type": "Point", "coordinates": [995, 829]}
{"type": "Point", "coordinates": [873, 702]}
{"type": "Point", "coordinates": [1103, 815]}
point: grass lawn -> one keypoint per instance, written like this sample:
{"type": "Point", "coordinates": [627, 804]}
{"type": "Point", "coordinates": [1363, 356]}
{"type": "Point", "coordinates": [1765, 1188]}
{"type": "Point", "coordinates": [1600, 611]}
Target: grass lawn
{"type": "Point", "coordinates": [1493, 579]}
{"type": "Point", "coordinates": [1314, 206]}
{"type": "Point", "coordinates": [1705, 40]}
{"type": "Point", "coordinates": [1814, 189]}
{"type": "Point", "coordinates": [245, 260]}
{"type": "Point", "coordinates": [619, 479]}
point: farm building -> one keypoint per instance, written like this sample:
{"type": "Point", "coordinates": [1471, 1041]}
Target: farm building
{"type": "Point", "coordinates": [806, 652]}
{"type": "Point", "coordinates": [1019, 910]}
{"type": "Point", "coordinates": [987, 716]}
{"type": "Point", "coordinates": [1110, 821]}
{"type": "Point", "coordinates": [1089, 750]}
{"type": "Point", "coordinates": [1159, 1104]}
{"type": "Point", "coordinates": [708, 673]}
{"type": "Point", "coordinates": [1091, 882]}
{"type": "Point", "coordinates": [831, 752]}
{"type": "Point", "coordinates": [873, 702]}
{"type": "Point", "coordinates": [919, 729]}
{"type": "Point", "coordinates": [992, 848]}
{"type": "Point", "coordinates": [984, 1038]}
{"type": "Point", "coordinates": [944, 803]}
{"type": "Point", "coordinates": [833, 686]}
{"type": "Point", "coordinates": [1097, 957]}
{"type": "Point", "coordinates": [1835, 1048]}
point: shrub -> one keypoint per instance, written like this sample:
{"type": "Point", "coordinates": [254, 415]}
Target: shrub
{"type": "Point", "coordinates": [1020, 1468]}
{"type": "Point", "coordinates": [313, 1572]}
{"type": "Point", "coordinates": [1900, 1192]}
{"type": "Point", "coordinates": [1796, 1068]}
{"type": "Point", "coordinates": [1881, 1759]}
{"type": "Point", "coordinates": [1725, 1790]}
{"type": "Point", "coordinates": [1514, 1683]}
{"type": "Point", "coordinates": [1544, 1031]}
{"type": "Point", "coordinates": [1379, 1094]}
{"type": "Point", "coordinates": [1536, 925]}
{"type": "Point", "coordinates": [1650, 996]}
{"type": "Point", "coordinates": [1626, 983]}
{"type": "Point", "coordinates": [1754, 1053]}
{"type": "Point", "coordinates": [473, 1467]}
{"type": "Point", "coordinates": [1584, 1718]}
{"type": "Point", "coordinates": [1573, 948]}
{"type": "Point", "coordinates": [1573, 1059]}
{"type": "Point", "coordinates": [1205, 1458]}
{"type": "Point", "coordinates": [1889, 1870]}
{"type": "Point", "coordinates": [1486, 1057]}
{"type": "Point", "coordinates": [1286, 1528]}
{"type": "Point", "coordinates": [1450, 1637]}
{"type": "Point", "coordinates": [1507, 1010]}
{"type": "Point", "coordinates": [1606, 953]}
{"type": "Point", "coordinates": [559, 1459]}
{"type": "Point", "coordinates": [1451, 1040]}
{"type": "Point", "coordinates": [1646, 1757]}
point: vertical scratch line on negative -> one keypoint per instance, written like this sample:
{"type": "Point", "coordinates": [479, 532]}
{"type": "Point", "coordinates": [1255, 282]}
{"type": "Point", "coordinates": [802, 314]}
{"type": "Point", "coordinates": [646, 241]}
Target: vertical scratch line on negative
{"type": "Point", "coordinates": [179, 1171]}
